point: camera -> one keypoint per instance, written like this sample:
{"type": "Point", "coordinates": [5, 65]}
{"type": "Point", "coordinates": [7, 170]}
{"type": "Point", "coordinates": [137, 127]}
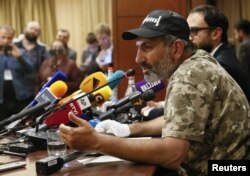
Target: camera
{"type": "Point", "coordinates": [5, 48]}
{"type": "Point", "coordinates": [56, 52]}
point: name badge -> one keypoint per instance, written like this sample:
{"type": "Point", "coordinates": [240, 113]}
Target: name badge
{"type": "Point", "coordinates": [7, 75]}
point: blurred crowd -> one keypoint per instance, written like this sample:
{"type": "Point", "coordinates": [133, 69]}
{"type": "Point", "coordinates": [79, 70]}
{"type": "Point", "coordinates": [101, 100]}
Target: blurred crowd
{"type": "Point", "coordinates": [26, 63]}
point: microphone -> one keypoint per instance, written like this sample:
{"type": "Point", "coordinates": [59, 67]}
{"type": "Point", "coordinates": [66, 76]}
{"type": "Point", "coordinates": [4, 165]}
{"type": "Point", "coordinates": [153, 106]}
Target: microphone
{"type": "Point", "coordinates": [68, 98]}
{"type": "Point", "coordinates": [51, 164]}
{"type": "Point", "coordinates": [130, 72]}
{"type": "Point", "coordinates": [136, 100]}
{"type": "Point", "coordinates": [51, 94]}
{"type": "Point", "coordinates": [25, 112]}
{"type": "Point", "coordinates": [100, 96]}
{"type": "Point", "coordinates": [143, 85]}
{"type": "Point", "coordinates": [56, 90]}
{"type": "Point", "coordinates": [95, 80]}
{"type": "Point", "coordinates": [114, 80]}
{"type": "Point", "coordinates": [83, 101]}
{"type": "Point", "coordinates": [78, 106]}
{"type": "Point", "coordinates": [59, 75]}
{"type": "Point", "coordinates": [55, 119]}
{"type": "Point", "coordinates": [91, 83]}
{"type": "Point", "coordinates": [133, 96]}
{"type": "Point", "coordinates": [155, 86]}
{"type": "Point", "coordinates": [130, 100]}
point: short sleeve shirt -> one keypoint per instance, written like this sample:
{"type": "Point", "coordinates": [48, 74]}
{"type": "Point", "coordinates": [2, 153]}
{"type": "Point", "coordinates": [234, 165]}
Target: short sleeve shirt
{"type": "Point", "coordinates": [205, 106]}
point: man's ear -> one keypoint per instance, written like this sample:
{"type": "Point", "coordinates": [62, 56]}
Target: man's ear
{"type": "Point", "coordinates": [177, 49]}
{"type": "Point", "coordinates": [216, 33]}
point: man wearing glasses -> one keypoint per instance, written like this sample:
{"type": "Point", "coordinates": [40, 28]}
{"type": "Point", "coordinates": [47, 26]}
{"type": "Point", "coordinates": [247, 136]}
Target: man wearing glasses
{"type": "Point", "coordinates": [208, 31]}
{"type": "Point", "coordinates": [206, 114]}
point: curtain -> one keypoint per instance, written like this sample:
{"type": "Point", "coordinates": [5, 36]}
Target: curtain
{"type": "Point", "coordinates": [77, 16]}
{"type": "Point", "coordinates": [81, 17]}
{"type": "Point", "coordinates": [17, 13]}
{"type": "Point", "coordinates": [235, 10]}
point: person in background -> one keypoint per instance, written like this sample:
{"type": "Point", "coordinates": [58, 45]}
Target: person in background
{"type": "Point", "coordinates": [242, 35]}
{"type": "Point", "coordinates": [15, 65]}
{"type": "Point", "coordinates": [37, 52]}
{"type": "Point", "coordinates": [208, 31]}
{"type": "Point", "coordinates": [88, 59]}
{"type": "Point", "coordinates": [204, 107]}
{"type": "Point", "coordinates": [63, 34]}
{"type": "Point", "coordinates": [105, 56]}
{"type": "Point", "coordinates": [59, 61]}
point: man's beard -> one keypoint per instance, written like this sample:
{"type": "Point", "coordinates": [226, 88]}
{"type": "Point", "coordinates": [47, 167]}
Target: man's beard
{"type": "Point", "coordinates": [31, 38]}
{"type": "Point", "coordinates": [161, 70]}
{"type": "Point", "coordinates": [205, 46]}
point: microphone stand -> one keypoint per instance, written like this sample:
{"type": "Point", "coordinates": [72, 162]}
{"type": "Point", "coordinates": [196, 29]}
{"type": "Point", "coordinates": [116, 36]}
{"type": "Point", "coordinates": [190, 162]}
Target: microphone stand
{"type": "Point", "coordinates": [41, 119]}
{"type": "Point", "coordinates": [24, 113]}
{"type": "Point", "coordinates": [130, 72]}
{"type": "Point", "coordinates": [40, 106]}
{"type": "Point", "coordinates": [59, 75]}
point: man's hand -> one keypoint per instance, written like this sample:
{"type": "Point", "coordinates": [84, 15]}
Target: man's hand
{"type": "Point", "coordinates": [113, 127]}
{"type": "Point", "coordinates": [15, 51]}
{"type": "Point", "coordinates": [83, 137]}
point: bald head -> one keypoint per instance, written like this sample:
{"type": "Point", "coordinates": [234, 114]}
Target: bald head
{"type": "Point", "coordinates": [63, 34]}
{"type": "Point", "coordinates": [6, 35]}
{"type": "Point", "coordinates": [32, 31]}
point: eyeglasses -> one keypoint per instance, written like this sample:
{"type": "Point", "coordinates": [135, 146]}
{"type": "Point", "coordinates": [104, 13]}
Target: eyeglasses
{"type": "Point", "coordinates": [195, 30]}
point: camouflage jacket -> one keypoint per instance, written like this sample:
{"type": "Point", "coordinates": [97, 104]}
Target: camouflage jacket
{"type": "Point", "coordinates": [205, 106]}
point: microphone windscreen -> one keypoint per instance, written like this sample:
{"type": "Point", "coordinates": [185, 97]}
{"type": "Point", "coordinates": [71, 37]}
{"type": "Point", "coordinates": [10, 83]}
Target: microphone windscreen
{"type": "Point", "coordinates": [58, 88]}
{"type": "Point", "coordinates": [61, 115]}
{"type": "Point", "coordinates": [143, 85]}
{"type": "Point", "coordinates": [148, 95]}
{"type": "Point", "coordinates": [115, 79]}
{"type": "Point", "coordinates": [59, 75]}
{"type": "Point", "coordinates": [102, 95]}
{"type": "Point", "coordinates": [93, 81]}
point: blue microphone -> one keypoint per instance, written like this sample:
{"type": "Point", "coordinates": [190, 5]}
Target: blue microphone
{"type": "Point", "coordinates": [116, 78]}
{"type": "Point", "coordinates": [59, 75]}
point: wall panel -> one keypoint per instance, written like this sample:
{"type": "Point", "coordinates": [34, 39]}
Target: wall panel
{"type": "Point", "coordinates": [128, 14]}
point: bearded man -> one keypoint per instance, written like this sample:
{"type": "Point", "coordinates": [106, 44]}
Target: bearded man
{"type": "Point", "coordinates": [36, 51]}
{"type": "Point", "coordinates": [204, 107]}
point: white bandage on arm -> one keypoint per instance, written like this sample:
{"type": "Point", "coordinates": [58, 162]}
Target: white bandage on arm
{"type": "Point", "coordinates": [113, 127]}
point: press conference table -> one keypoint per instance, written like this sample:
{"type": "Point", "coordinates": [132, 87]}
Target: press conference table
{"type": "Point", "coordinates": [75, 168]}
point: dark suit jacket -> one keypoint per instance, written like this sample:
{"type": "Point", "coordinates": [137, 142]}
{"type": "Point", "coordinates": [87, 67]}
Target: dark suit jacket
{"type": "Point", "coordinates": [244, 56]}
{"type": "Point", "coordinates": [226, 56]}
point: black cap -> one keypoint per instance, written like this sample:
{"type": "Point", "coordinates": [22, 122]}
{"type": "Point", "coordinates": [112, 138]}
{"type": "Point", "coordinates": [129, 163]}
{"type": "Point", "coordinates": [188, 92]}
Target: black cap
{"type": "Point", "coordinates": [158, 23]}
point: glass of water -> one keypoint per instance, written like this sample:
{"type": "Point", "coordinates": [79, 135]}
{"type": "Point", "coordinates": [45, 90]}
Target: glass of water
{"type": "Point", "coordinates": [55, 144]}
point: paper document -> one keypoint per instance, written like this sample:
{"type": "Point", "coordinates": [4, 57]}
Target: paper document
{"type": "Point", "coordinates": [105, 159]}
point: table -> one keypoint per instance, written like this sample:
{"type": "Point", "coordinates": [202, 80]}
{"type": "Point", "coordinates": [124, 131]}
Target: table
{"type": "Point", "coordinates": [75, 168]}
